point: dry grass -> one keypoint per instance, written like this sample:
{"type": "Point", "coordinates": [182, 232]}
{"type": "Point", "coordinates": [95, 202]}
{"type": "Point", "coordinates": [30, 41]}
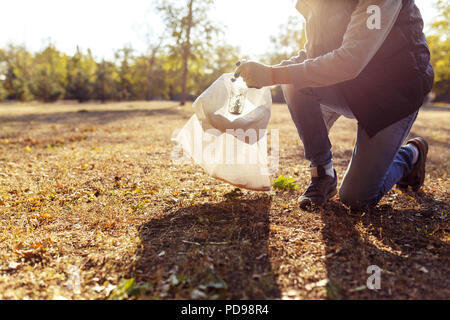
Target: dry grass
{"type": "Point", "coordinates": [92, 188]}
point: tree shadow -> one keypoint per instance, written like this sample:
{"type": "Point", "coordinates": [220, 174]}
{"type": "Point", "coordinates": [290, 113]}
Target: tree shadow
{"type": "Point", "coordinates": [432, 140]}
{"type": "Point", "coordinates": [415, 264]}
{"type": "Point", "coordinates": [208, 251]}
{"type": "Point", "coordinates": [83, 116]}
{"type": "Point", "coordinates": [436, 108]}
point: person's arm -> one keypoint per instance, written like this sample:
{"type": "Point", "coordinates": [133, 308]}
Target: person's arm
{"type": "Point", "coordinates": [294, 60]}
{"type": "Point", "coordinates": [359, 46]}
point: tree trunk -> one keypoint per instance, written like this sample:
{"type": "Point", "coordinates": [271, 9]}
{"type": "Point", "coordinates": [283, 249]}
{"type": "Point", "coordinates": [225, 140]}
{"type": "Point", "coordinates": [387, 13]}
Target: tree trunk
{"type": "Point", "coordinates": [150, 78]}
{"type": "Point", "coordinates": [186, 53]}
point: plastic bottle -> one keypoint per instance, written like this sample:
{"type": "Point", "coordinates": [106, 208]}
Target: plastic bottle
{"type": "Point", "coordinates": [238, 96]}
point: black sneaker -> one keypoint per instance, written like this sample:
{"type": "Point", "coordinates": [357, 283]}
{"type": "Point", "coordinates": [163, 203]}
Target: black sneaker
{"type": "Point", "coordinates": [322, 188]}
{"type": "Point", "coordinates": [416, 177]}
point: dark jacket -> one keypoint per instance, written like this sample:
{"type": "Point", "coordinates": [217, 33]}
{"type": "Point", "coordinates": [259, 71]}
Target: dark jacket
{"type": "Point", "coordinates": [395, 81]}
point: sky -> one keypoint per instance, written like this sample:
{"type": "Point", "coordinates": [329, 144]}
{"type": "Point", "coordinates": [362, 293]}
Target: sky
{"type": "Point", "coordinates": [107, 25]}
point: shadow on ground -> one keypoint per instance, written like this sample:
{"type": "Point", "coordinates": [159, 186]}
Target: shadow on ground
{"type": "Point", "coordinates": [431, 140]}
{"type": "Point", "coordinates": [99, 117]}
{"type": "Point", "coordinates": [415, 264]}
{"type": "Point", "coordinates": [219, 251]}
{"type": "Point", "coordinates": [436, 108]}
{"type": "Point", "coordinates": [209, 251]}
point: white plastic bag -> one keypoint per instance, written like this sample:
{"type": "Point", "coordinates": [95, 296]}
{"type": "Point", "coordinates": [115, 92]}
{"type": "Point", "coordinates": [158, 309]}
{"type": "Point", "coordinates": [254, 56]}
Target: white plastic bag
{"type": "Point", "coordinates": [230, 147]}
{"type": "Point", "coordinates": [211, 107]}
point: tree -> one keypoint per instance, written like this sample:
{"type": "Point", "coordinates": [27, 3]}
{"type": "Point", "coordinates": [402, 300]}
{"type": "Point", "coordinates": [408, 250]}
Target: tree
{"type": "Point", "coordinates": [439, 43]}
{"type": "Point", "coordinates": [3, 70]}
{"type": "Point", "coordinates": [153, 52]}
{"type": "Point", "coordinates": [3, 92]}
{"type": "Point", "coordinates": [125, 59]}
{"type": "Point", "coordinates": [19, 65]}
{"type": "Point", "coordinates": [222, 60]}
{"type": "Point", "coordinates": [442, 23]}
{"type": "Point", "coordinates": [154, 44]}
{"type": "Point", "coordinates": [106, 79]}
{"type": "Point", "coordinates": [140, 82]}
{"type": "Point", "coordinates": [191, 31]}
{"type": "Point", "coordinates": [288, 42]}
{"type": "Point", "coordinates": [81, 71]}
{"type": "Point", "coordinates": [50, 74]}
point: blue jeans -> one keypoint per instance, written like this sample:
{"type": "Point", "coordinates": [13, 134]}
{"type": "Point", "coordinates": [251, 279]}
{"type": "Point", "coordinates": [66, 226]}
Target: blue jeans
{"type": "Point", "coordinates": [377, 163]}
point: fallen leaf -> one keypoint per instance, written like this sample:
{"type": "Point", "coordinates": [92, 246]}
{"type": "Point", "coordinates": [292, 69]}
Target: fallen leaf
{"type": "Point", "coordinates": [197, 294]}
{"type": "Point", "coordinates": [162, 253]}
{"type": "Point", "coordinates": [98, 288]}
{"type": "Point", "coordinates": [109, 288]}
{"type": "Point", "coordinates": [424, 270]}
{"type": "Point", "coordinates": [321, 283]}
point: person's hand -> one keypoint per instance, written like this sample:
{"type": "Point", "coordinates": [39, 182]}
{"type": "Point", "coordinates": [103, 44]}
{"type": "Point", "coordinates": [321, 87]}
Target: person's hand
{"type": "Point", "coordinates": [255, 74]}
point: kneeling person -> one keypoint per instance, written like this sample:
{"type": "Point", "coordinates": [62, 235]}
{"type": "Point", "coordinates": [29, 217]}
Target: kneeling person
{"type": "Point", "coordinates": [378, 76]}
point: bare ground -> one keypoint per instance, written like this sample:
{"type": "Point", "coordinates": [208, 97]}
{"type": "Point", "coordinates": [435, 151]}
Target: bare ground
{"type": "Point", "coordinates": [89, 196]}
